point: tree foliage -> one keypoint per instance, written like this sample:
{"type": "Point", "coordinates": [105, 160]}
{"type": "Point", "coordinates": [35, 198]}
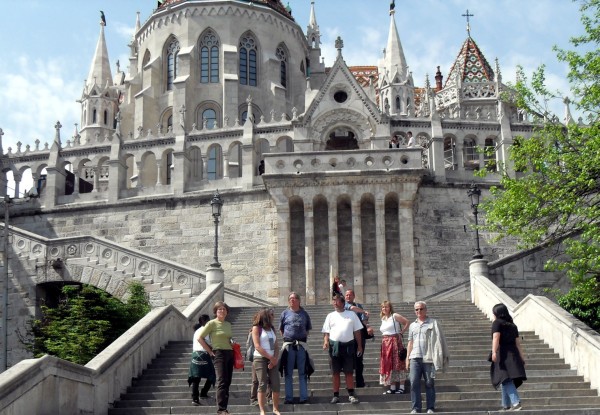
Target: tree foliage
{"type": "Point", "coordinates": [86, 320]}
{"type": "Point", "coordinates": [555, 199]}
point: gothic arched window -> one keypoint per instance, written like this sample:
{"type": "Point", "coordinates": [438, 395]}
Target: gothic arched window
{"type": "Point", "coordinates": [209, 116]}
{"type": "Point", "coordinates": [397, 103]}
{"type": "Point", "coordinates": [248, 61]}
{"type": "Point", "coordinates": [172, 62]}
{"type": "Point", "coordinates": [209, 58]}
{"type": "Point", "coordinates": [282, 56]}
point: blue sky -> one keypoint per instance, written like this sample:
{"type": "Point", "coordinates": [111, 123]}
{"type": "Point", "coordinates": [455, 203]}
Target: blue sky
{"type": "Point", "coordinates": [47, 45]}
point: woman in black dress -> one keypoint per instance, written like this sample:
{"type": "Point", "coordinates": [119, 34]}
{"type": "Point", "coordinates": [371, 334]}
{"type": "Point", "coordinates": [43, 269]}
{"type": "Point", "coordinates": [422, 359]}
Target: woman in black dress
{"type": "Point", "coordinates": [508, 360]}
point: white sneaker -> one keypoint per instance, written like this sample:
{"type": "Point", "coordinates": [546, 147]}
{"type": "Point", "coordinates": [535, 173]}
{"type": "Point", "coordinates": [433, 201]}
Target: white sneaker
{"type": "Point", "coordinates": [430, 411]}
{"type": "Point", "coordinates": [353, 399]}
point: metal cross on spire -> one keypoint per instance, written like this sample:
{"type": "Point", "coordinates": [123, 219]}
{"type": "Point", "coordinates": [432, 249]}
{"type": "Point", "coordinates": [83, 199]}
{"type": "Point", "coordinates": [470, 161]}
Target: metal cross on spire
{"type": "Point", "coordinates": [468, 15]}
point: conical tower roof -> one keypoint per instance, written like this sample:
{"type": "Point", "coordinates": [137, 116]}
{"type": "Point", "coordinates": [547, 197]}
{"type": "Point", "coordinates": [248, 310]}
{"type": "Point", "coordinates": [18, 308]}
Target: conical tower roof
{"type": "Point", "coordinates": [470, 65]}
{"type": "Point", "coordinates": [395, 62]}
{"type": "Point", "coordinates": [100, 70]}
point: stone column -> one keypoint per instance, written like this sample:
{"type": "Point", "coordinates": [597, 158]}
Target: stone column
{"type": "Point", "coordinates": [96, 170]}
{"type": "Point", "coordinates": [380, 246]}
{"type": "Point", "coordinates": [407, 249]}
{"type": "Point", "coordinates": [309, 254]}
{"type": "Point", "coordinates": [161, 169]}
{"type": "Point", "coordinates": [226, 165]}
{"type": "Point", "coordinates": [283, 252]}
{"type": "Point", "coordinates": [333, 237]}
{"type": "Point", "coordinates": [357, 250]}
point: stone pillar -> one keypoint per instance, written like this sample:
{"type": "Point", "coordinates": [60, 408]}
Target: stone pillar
{"type": "Point", "coordinates": [161, 169]}
{"type": "Point", "coordinates": [76, 183]}
{"type": "Point", "coordinates": [216, 275]}
{"type": "Point", "coordinates": [357, 250]}
{"type": "Point", "coordinates": [283, 252]}
{"type": "Point", "coordinates": [333, 237]}
{"type": "Point", "coordinates": [226, 165]}
{"type": "Point", "coordinates": [407, 249]}
{"type": "Point", "coordinates": [479, 268]}
{"type": "Point", "coordinates": [380, 246]}
{"type": "Point", "coordinates": [96, 171]}
{"type": "Point", "coordinates": [309, 254]}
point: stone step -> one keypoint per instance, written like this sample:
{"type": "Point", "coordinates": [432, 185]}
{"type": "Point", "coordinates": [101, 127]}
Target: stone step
{"type": "Point", "coordinates": [552, 388]}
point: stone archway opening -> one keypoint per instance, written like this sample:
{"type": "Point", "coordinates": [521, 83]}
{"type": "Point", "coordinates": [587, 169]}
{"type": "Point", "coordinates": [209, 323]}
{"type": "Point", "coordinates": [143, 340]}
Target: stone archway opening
{"type": "Point", "coordinates": [341, 139]}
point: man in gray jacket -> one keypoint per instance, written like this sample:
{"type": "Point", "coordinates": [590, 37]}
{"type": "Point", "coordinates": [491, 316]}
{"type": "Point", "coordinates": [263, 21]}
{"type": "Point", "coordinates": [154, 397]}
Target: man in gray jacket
{"type": "Point", "coordinates": [427, 352]}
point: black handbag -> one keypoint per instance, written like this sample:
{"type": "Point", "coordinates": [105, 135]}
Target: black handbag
{"type": "Point", "coordinates": [402, 354]}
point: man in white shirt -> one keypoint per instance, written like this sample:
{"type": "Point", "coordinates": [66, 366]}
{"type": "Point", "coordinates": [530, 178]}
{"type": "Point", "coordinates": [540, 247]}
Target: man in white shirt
{"type": "Point", "coordinates": [411, 139]}
{"type": "Point", "coordinates": [342, 339]}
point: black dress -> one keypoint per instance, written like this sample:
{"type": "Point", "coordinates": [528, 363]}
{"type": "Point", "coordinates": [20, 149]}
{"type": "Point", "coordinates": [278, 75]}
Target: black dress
{"type": "Point", "coordinates": [509, 364]}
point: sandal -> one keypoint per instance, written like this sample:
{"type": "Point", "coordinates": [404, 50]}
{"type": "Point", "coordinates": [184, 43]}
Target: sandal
{"type": "Point", "coordinates": [400, 391]}
{"type": "Point", "coordinates": [389, 392]}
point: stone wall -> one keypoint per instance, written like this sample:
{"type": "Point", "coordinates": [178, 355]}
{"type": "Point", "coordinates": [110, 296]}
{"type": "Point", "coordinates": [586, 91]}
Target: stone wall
{"type": "Point", "coordinates": [182, 230]}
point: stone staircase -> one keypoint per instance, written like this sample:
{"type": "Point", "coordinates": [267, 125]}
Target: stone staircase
{"type": "Point", "coordinates": [552, 387]}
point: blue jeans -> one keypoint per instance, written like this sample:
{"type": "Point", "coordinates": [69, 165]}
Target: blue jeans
{"type": "Point", "coordinates": [510, 396]}
{"type": "Point", "coordinates": [419, 369]}
{"type": "Point", "coordinates": [296, 357]}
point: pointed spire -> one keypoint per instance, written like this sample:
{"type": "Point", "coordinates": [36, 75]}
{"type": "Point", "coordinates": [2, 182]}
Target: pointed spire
{"type": "Point", "coordinates": [312, 22]}
{"type": "Point", "coordinates": [313, 34]}
{"type": "Point", "coordinates": [137, 23]}
{"type": "Point", "coordinates": [100, 73]}
{"type": "Point", "coordinates": [568, 117]}
{"type": "Point", "coordinates": [394, 60]}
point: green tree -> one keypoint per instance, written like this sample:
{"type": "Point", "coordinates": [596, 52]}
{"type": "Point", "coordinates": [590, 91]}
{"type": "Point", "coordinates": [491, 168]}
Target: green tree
{"type": "Point", "coordinates": [556, 202]}
{"type": "Point", "coordinates": [86, 320]}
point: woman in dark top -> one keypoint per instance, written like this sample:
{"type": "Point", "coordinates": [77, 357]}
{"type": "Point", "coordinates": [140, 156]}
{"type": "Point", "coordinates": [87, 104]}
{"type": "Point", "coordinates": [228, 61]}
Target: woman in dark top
{"type": "Point", "coordinates": [508, 360]}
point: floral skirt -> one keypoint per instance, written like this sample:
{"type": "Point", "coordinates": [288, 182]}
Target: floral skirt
{"type": "Point", "coordinates": [391, 368]}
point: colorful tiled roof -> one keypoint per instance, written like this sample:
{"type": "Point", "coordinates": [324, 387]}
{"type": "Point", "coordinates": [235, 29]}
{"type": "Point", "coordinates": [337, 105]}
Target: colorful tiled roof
{"type": "Point", "coordinates": [273, 4]}
{"type": "Point", "coordinates": [363, 74]}
{"type": "Point", "coordinates": [471, 65]}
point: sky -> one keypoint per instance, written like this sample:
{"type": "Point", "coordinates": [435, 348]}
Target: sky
{"type": "Point", "coordinates": [46, 46]}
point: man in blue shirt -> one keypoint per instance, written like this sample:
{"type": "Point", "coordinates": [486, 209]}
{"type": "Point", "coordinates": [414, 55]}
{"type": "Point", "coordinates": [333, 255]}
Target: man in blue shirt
{"type": "Point", "coordinates": [363, 315]}
{"type": "Point", "coordinates": [294, 326]}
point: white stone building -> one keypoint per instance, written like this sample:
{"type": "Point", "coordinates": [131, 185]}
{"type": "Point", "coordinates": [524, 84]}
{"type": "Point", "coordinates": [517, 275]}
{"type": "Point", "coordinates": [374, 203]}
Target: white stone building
{"type": "Point", "coordinates": [214, 88]}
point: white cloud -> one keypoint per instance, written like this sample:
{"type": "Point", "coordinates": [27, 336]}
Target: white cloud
{"type": "Point", "coordinates": [37, 93]}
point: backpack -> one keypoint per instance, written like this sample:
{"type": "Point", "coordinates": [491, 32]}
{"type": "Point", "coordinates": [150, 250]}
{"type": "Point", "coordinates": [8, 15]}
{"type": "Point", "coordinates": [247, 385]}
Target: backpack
{"type": "Point", "coordinates": [250, 348]}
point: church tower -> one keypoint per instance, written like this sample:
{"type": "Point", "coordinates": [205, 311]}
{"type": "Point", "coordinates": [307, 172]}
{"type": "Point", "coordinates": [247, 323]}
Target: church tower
{"type": "Point", "coordinates": [315, 67]}
{"type": "Point", "coordinates": [99, 98]}
{"type": "Point", "coordinates": [396, 85]}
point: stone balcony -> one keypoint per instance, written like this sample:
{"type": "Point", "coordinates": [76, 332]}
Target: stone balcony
{"type": "Point", "coordinates": [348, 161]}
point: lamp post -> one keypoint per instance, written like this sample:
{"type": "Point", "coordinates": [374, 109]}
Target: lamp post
{"type": "Point", "coordinates": [474, 194]}
{"type": "Point", "coordinates": [216, 204]}
{"type": "Point", "coordinates": [31, 194]}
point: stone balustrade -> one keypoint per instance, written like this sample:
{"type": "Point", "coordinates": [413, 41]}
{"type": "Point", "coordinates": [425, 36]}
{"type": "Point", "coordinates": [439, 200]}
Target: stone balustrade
{"type": "Point", "coordinates": [408, 159]}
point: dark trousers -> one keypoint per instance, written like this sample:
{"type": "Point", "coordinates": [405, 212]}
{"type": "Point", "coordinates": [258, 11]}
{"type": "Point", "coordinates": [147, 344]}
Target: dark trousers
{"type": "Point", "coordinates": [196, 393]}
{"type": "Point", "coordinates": [359, 367]}
{"type": "Point", "coordinates": [224, 369]}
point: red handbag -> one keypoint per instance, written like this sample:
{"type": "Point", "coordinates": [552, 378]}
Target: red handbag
{"type": "Point", "coordinates": [238, 357]}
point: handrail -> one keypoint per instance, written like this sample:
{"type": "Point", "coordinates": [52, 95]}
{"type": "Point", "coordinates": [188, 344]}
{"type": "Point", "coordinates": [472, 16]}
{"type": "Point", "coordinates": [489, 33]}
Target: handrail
{"type": "Point", "coordinates": [68, 388]}
{"type": "Point", "coordinates": [575, 342]}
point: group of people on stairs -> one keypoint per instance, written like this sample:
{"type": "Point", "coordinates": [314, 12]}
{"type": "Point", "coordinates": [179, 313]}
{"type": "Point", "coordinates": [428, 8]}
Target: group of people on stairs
{"type": "Point", "coordinates": [344, 331]}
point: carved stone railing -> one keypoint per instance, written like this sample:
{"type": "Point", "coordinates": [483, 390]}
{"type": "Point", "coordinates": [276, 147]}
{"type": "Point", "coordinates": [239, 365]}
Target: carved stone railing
{"type": "Point", "coordinates": [337, 161]}
{"type": "Point", "coordinates": [107, 265]}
